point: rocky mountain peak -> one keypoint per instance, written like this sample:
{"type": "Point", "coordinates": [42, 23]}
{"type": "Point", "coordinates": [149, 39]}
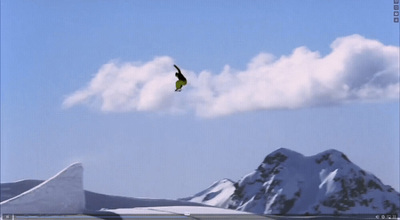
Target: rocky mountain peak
{"type": "Point", "coordinates": [287, 182]}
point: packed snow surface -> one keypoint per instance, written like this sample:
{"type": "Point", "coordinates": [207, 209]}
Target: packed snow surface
{"type": "Point", "coordinates": [183, 210]}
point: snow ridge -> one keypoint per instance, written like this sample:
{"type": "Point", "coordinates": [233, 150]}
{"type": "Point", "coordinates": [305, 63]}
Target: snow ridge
{"type": "Point", "coordinates": [61, 194]}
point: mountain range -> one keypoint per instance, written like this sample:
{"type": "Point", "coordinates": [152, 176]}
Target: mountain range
{"type": "Point", "coordinates": [285, 183]}
{"type": "Point", "coordinates": [289, 183]}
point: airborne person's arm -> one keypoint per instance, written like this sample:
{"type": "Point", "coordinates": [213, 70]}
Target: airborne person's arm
{"type": "Point", "coordinates": [179, 71]}
{"type": "Point", "coordinates": [180, 75]}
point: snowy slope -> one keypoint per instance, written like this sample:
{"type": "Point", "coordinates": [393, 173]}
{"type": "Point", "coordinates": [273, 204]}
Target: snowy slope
{"type": "Point", "coordinates": [62, 193]}
{"type": "Point", "coordinates": [215, 195]}
{"type": "Point", "coordinates": [287, 182]}
{"type": "Point", "coordinates": [9, 190]}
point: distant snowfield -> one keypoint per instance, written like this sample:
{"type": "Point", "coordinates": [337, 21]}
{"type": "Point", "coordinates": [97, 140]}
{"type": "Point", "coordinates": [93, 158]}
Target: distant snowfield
{"type": "Point", "coordinates": [187, 212]}
{"type": "Point", "coordinates": [180, 210]}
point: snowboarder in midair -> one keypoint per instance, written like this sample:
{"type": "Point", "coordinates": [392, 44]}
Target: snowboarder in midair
{"type": "Point", "coordinates": [181, 80]}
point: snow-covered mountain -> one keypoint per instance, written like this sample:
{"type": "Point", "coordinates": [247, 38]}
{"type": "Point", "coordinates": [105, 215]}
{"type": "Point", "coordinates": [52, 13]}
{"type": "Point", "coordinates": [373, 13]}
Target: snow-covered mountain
{"type": "Point", "coordinates": [287, 182]}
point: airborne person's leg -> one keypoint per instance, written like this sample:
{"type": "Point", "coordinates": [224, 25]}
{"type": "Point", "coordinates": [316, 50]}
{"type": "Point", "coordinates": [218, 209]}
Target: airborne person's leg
{"type": "Point", "coordinates": [178, 85]}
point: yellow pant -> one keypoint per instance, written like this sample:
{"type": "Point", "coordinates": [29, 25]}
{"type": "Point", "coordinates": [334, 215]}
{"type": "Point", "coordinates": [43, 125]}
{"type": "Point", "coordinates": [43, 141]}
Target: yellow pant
{"type": "Point", "coordinates": [180, 83]}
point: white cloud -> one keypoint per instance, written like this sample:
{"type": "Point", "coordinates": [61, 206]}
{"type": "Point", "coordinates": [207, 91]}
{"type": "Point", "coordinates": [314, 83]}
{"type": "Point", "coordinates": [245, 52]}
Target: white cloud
{"type": "Point", "coordinates": [119, 87]}
{"type": "Point", "coordinates": [356, 70]}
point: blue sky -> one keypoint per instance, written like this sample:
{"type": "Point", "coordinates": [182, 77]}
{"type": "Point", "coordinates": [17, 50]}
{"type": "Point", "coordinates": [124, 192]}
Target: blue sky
{"type": "Point", "coordinates": [93, 81]}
